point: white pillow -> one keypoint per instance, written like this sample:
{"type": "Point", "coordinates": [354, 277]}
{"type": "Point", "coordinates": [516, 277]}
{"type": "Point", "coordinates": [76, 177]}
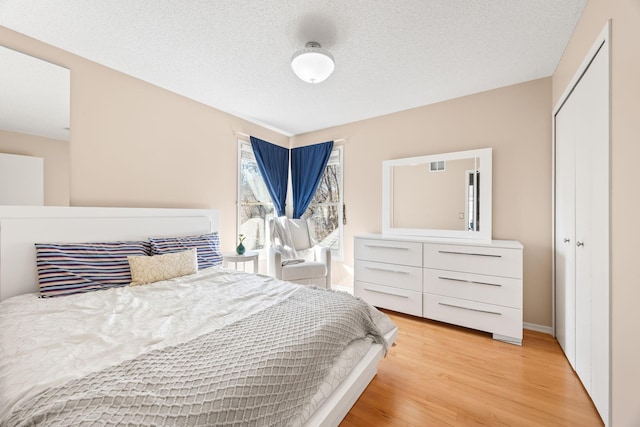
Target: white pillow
{"type": "Point", "coordinates": [149, 269]}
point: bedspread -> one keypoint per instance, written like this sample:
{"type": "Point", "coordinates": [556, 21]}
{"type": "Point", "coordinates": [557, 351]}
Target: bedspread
{"type": "Point", "coordinates": [258, 369]}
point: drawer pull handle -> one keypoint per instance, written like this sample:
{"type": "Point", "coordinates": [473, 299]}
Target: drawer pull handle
{"type": "Point", "coordinates": [386, 270]}
{"type": "Point", "coordinates": [470, 281]}
{"type": "Point", "coordinates": [472, 309]}
{"type": "Point", "coordinates": [470, 253]}
{"type": "Point", "coordinates": [386, 247]}
{"type": "Point", "coordinates": [386, 293]}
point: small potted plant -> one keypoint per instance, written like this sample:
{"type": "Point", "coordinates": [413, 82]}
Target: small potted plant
{"type": "Point", "coordinates": [240, 249]}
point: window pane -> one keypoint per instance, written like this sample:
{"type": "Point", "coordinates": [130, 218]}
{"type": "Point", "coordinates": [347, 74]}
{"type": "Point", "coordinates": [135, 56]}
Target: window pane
{"type": "Point", "coordinates": [326, 207]}
{"type": "Point", "coordinates": [329, 188]}
{"type": "Point", "coordinates": [255, 207]}
{"type": "Point", "coordinates": [327, 225]}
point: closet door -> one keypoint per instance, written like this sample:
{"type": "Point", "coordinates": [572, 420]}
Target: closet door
{"type": "Point", "coordinates": [583, 224]}
{"type": "Point", "coordinates": [592, 231]}
{"type": "Point", "coordinates": [565, 248]}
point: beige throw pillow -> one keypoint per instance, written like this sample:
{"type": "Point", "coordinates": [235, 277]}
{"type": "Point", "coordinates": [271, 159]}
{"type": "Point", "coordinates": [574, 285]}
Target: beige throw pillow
{"type": "Point", "coordinates": [149, 269]}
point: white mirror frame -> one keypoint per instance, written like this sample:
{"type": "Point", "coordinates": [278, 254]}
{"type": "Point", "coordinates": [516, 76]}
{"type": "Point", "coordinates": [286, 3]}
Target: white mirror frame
{"type": "Point", "coordinates": [484, 154]}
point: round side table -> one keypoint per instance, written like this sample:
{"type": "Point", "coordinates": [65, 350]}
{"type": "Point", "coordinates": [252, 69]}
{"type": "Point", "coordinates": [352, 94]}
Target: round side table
{"type": "Point", "coordinates": [248, 256]}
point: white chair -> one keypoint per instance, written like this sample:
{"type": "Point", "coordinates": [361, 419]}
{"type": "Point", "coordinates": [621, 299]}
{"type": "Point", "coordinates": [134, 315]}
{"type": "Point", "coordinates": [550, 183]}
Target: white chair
{"type": "Point", "coordinates": [295, 257]}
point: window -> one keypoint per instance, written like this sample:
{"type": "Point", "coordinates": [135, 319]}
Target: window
{"type": "Point", "coordinates": [254, 203]}
{"type": "Point", "coordinates": [255, 208]}
{"type": "Point", "coordinates": [326, 208]}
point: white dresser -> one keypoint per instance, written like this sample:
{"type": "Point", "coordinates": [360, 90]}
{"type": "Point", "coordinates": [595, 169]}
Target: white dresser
{"type": "Point", "coordinates": [467, 283]}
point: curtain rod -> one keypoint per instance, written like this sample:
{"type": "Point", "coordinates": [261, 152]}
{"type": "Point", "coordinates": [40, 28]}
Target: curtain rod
{"type": "Point", "coordinates": [249, 136]}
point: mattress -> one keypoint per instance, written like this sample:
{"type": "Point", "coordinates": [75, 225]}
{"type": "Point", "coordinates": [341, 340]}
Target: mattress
{"type": "Point", "coordinates": [46, 345]}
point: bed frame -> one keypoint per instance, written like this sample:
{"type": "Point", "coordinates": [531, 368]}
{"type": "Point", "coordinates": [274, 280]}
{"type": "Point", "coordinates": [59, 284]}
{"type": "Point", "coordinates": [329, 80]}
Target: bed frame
{"type": "Point", "coordinates": [22, 226]}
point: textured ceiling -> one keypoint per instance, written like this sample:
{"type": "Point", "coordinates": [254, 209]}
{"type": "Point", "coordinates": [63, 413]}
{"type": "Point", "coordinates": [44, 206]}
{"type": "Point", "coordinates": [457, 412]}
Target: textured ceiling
{"type": "Point", "coordinates": [234, 55]}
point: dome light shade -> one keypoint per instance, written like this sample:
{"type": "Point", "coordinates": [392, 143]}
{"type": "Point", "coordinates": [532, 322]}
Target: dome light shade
{"type": "Point", "coordinates": [313, 64]}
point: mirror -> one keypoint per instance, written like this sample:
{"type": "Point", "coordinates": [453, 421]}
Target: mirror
{"type": "Point", "coordinates": [443, 195]}
{"type": "Point", "coordinates": [34, 96]}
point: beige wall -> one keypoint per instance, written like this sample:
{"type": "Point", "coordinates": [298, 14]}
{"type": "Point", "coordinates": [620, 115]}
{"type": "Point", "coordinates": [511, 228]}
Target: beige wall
{"type": "Point", "coordinates": [133, 144]}
{"type": "Point", "coordinates": [515, 121]}
{"type": "Point", "coordinates": [56, 162]}
{"type": "Point", "coordinates": [625, 197]}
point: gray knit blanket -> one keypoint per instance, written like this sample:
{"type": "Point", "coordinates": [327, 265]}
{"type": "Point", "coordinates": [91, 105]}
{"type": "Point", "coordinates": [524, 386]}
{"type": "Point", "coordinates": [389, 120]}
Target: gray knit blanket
{"type": "Point", "coordinates": [259, 371]}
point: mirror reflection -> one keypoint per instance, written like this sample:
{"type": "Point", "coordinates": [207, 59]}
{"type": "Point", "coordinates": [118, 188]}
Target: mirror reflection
{"type": "Point", "coordinates": [443, 195]}
{"type": "Point", "coordinates": [34, 96]}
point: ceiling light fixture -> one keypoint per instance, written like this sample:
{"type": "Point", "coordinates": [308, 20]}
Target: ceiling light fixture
{"type": "Point", "coordinates": [313, 64]}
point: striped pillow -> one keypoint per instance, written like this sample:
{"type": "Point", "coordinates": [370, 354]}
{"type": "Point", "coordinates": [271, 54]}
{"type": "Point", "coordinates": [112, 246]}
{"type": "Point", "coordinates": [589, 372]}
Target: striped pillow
{"type": "Point", "coordinates": [70, 268]}
{"type": "Point", "coordinates": [208, 246]}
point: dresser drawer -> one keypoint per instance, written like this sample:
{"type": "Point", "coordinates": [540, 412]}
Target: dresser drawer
{"type": "Point", "coordinates": [485, 260]}
{"type": "Point", "coordinates": [499, 320]}
{"type": "Point", "coordinates": [394, 275]}
{"type": "Point", "coordinates": [389, 251]}
{"type": "Point", "coordinates": [401, 300]}
{"type": "Point", "coordinates": [498, 290]}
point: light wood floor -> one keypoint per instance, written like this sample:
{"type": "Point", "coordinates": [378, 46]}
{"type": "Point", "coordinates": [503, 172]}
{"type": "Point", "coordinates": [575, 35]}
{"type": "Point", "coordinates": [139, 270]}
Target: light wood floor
{"type": "Point", "coordinates": [442, 375]}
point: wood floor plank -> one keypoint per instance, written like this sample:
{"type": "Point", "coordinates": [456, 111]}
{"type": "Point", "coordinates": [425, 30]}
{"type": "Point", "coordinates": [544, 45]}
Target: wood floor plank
{"type": "Point", "coordinates": [443, 375]}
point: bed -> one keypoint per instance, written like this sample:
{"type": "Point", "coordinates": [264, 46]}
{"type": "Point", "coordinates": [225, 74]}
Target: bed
{"type": "Point", "coordinates": [216, 347]}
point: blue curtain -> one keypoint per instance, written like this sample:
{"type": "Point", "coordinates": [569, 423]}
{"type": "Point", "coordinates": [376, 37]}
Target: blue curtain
{"type": "Point", "coordinates": [273, 162]}
{"type": "Point", "coordinates": [307, 166]}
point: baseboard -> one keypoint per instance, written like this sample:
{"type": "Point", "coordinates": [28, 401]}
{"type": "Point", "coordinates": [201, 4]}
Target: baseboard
{"type": "Point", "coordinates": [538, 328]}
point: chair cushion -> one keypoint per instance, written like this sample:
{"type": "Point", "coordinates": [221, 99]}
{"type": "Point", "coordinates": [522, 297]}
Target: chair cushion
{"type": "Point", "coordinates": [304, 270]}
{"type": "Point", "coordinates": [281, 237]}
{"type": "Point", "coordinates": [299, 231]}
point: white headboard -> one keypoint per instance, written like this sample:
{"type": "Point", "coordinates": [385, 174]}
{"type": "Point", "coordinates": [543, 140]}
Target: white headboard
{"type": "Point", "coordinates": [22, 226]}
